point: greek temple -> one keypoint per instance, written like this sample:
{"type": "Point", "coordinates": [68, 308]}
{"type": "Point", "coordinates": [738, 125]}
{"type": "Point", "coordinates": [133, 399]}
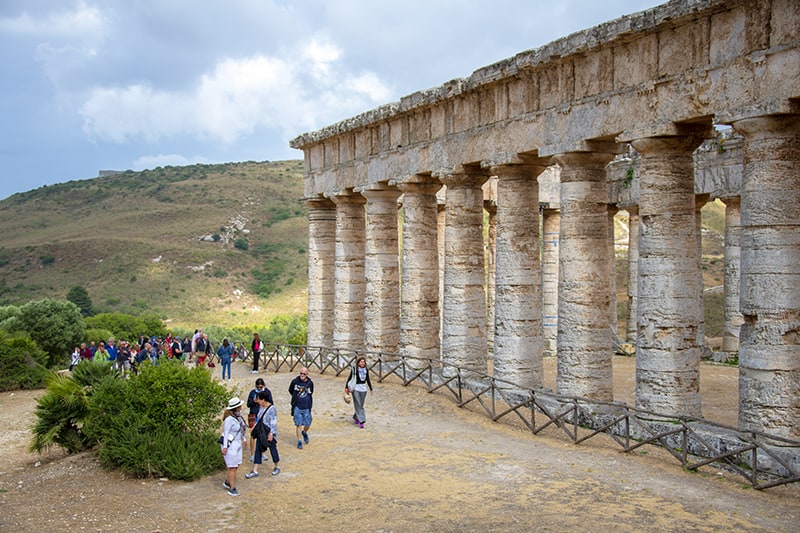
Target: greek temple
{"type": "Point", "coordinates": [526, 162]}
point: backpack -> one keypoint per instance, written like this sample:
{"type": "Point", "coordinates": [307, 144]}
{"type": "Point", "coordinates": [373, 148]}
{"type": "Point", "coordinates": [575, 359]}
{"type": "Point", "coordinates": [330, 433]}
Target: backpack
{"type": "Point", "coordinates": [201, 345]}
{"type": "Point", "coordinates": [260, 433]}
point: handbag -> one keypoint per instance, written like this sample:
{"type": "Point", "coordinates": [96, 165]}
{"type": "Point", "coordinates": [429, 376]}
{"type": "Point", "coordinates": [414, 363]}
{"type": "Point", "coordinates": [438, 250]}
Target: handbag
{"type": "Point", "coordinates": [260, 433]}
{"type": "Point", "coordinates": [346, 397]}
{"type": "Point", "coordinates": [351, 383]}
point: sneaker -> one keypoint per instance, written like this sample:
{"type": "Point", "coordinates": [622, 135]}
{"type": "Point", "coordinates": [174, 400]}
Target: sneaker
{"type": "Point", "coordinates": [299, 445]}
{"type": "Point", "coordinates": [226, 484]}
{"type": "Point", "coordinates": [276, 471]}
{"type": "Point", "coordinates": [233, 492]}
{"type": "Point", "coordinates": [355, 421]}
{"type": "Point", "coordinates": [254, 371]}
{"type": "Point", "coordinates": [361, 425]}
{"type": "Point", "coordinates": [305, 437]}
{"type": "Point", "coordinates": [251, 475]}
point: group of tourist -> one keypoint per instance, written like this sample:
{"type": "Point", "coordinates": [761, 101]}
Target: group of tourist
{"type": "Point", "coordinates": [197, 349]}
{"type": "Point", "coordinates": [262, 420]}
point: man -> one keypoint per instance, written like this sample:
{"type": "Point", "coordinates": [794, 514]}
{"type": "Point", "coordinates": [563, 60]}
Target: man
{"type": "Point", "coordinates": [302, 388]}
{"type": "Point", "coordinates": [112, 350]}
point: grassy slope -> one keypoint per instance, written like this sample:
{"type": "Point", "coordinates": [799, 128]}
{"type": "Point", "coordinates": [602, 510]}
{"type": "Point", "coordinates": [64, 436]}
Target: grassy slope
{"type": "Point", "coordinates": [134, 240]}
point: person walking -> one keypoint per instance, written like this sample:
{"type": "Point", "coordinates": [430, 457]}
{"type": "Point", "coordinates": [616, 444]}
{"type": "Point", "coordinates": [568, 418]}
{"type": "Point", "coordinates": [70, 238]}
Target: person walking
{"type": "Point", "coordinates": [233, 439]}
{"type": "Point", "coordinates": [357, 385]}
{"type": "Point", "coordinates": [267, 417]}
{"type": "Point", "coordinates": [256, 348]}
{"type": "Point", "coordinates": [225, 353]}
{"type": "Point", "coordinates": [302, 389]}
{"type": "Point", "coordinates": [253, 405]}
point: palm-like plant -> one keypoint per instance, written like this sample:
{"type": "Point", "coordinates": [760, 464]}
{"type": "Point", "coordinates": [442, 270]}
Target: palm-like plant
{"type": "Point", "coordinates": [61, 412]}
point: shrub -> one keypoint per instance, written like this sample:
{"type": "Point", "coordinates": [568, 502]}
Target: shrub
{"type": "Point", "coordinates": [162, 422]}
{"type": "Point", "coordinates": [128, 327]}
{"type": "Point", "coordinates": [55, 325]}
{"type": "Point", "coordinates": [241, 244]}
{"type": "Point", "coordinates": [22, 364]}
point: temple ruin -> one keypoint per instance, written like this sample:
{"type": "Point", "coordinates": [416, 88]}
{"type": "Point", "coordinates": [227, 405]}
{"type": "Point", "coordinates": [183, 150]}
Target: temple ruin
{"type": "Point", "coordinates": [534, 141]}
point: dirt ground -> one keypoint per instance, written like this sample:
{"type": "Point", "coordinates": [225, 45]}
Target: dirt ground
{"type": "Point", "coordinates": [420, 464]}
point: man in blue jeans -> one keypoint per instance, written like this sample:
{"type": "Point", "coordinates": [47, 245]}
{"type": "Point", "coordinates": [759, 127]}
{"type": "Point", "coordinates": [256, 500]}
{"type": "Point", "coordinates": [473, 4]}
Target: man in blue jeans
{"type": "Point", "coordinates": [302, 388]}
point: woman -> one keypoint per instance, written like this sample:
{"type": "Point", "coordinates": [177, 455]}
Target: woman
{"type": "Point", "coordinates": [256, 347]}
{"type": "Point", "coordinates": [268, 416]}
{"type": "Point", "coordinates": [233, 439]}
{"type": "Point", "coordinates": [357, 385]}
{"type": "Point", "coordinates": [225, 353]}
{"type": "Point", "coordinates": [101, 354]}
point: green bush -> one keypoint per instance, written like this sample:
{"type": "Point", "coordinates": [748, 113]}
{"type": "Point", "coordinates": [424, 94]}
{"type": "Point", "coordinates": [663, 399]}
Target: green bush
{"type": "Point", "coordinates": [98, 334]}
{"type": "Point", "coordinates": [22, 363]}
{"type": "Point", "coordinates": [162, 422]}
{"type": "Point", "coordinates": [127, 327]}
{"type": "Point", "coordinates": [56, 326]}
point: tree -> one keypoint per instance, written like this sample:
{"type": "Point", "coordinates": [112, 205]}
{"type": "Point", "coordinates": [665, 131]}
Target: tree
{"type": "Point", "coordinates": [80, 297]}
{"type": "Point", "coordinates": [55, 325]}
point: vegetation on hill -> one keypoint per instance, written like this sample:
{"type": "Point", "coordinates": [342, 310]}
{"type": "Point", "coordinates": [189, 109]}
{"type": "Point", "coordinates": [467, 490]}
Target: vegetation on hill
{"type": "Point", "coordinates": [195, 245]}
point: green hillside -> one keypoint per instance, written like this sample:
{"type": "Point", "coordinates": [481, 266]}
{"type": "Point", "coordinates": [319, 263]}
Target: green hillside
{"type": "Point", "coordinates": [196, 245]}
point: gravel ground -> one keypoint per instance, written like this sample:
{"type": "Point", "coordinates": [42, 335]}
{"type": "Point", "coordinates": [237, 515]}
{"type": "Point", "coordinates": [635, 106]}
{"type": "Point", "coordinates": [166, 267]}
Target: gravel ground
{"type": "Point", "coordinates": [420, 464]}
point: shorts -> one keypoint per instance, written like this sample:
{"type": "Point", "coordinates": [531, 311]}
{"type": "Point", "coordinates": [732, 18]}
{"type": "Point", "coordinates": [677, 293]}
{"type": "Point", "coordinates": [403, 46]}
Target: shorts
{"type": "Point", "coordinates": [251, 420]}
{"type": "Point", "coordinates": [302, 417]}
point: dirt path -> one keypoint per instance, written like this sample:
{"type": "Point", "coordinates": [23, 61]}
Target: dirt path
{"type": "Point", "coordinates": [421, 464]}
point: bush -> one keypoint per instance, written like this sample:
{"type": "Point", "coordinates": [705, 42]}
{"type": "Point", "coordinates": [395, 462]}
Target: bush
{"type": "Point", "coordinates": [127, 327]}
{"type": "Point", "coordinates": [56, 326]}
{"type": "Point", "coordinates": [98, 334]}
{"type": "Point", "coordinates": [162, 422]}
{"type": "Point", "coordinates": [241, 244]}
{"type": "Point", "coordinates": [22, 364]}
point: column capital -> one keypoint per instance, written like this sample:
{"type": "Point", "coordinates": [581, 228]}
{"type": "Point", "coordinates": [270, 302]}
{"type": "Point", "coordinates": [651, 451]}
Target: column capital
{"type": "Point", "coordinates": [517, 171]}
{"type": "Point", "coordinates": [380, 191]}
{"type": "Point", "coordinates": [462, 176]}
{"type": "Point", "coordinates": [677, 145]}
{"type": "Point", "coordinates": [318, 202]}
{"type": "Point", "coordinates": [347, 196]}
{"type": "Point", "coordinates": [769, 126]}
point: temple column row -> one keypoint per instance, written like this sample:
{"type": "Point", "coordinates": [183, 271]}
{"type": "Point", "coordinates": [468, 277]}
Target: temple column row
{"type": "Point", "coordinates": [668, 290]}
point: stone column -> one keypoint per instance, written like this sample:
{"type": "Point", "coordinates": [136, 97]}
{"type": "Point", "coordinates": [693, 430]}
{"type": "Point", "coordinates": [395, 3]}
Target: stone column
{"type": "Point", "coordinates": [381, 271]}
{"type": "Point", "coordinates": [349, 282]}
{"type": "Point", "coordinates": [585, 347]}
{"type": "Point", "coordinates": [464, 305]}
{"type": "Point", "coordinates": [551, 227]}
{"type": "Point", "coordinates": [419, 302]}
{"type": "Point", "coordinates": [518, 296]}
{"type": "Point", "coordinates": [769, 341]}
{"type": "Point", "coordinates": [321, 268]}
{"type": "Point", "coordinates": [733, 237]}
{"type": "Point", "coordinates": [670, 313]}
{"type": "Point", "coordinates": [491, 271]}
{"type": "Point", "coordinates": [633, 261]}
{"type": "Point", "coordinates": [612, 253]}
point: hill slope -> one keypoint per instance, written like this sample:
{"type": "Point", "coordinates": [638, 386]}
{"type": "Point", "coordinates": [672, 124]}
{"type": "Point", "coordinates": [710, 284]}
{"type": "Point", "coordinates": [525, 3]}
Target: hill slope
{"type": "Point", "coordinates": [196, 245]}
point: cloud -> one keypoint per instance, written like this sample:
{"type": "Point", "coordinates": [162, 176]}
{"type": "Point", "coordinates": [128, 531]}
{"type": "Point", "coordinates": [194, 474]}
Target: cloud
{"type": "Point", "coordinates": [75, 23]}
{"type": "Point", "coordinates": [239, 96]}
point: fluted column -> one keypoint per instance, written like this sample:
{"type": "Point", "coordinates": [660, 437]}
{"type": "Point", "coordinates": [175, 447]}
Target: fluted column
{"type": "Point", "coordinates": [633, 272]}
{"type": "Point", "coordinates": [381, 271]}
{"type": "Point", "coordinates": [321, 268]}
{"type": "Point", "coordinates": [733, 319]}
{"type": "Point", "coordinates": [518, 296]}
{"type": "Point", "coordinates": [464, 306]}
{"type": "Point", "coordinates": [769, 341]}
{"type": "Point", "coordinates": [670, 312]}
{"type": "Point", "coordinates": [585, 347]}
{"type": "Point", "coordinates": [419, 302]}
{"type": "Point", "coordinates": [349, 282]}
{"type": "Point", "coordinates": [551, 228]}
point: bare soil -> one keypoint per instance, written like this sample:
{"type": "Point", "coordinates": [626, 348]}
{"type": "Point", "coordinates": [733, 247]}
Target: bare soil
{"type": "Point", "coordinates": [420, 464]}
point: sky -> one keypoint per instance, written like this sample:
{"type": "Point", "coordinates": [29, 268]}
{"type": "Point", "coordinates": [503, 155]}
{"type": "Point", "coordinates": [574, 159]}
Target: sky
{"type": "Point", "coordinates": [90, 85]}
